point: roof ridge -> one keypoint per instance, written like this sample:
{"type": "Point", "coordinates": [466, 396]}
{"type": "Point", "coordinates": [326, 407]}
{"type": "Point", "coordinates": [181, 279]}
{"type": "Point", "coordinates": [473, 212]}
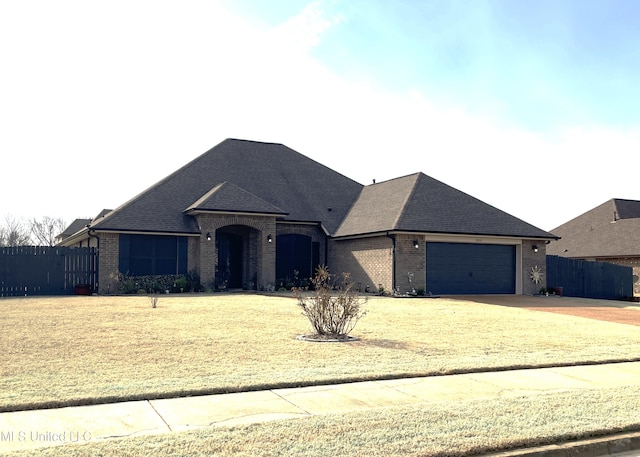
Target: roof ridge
{"type": "Point", "coordinates": [408, 197]}
{"type": "Point", "coordinates": [396, 178]}
{"type": "Point", "coordinates": [206, 195]}
{"type": "Point", "coordinates": [253, 141]}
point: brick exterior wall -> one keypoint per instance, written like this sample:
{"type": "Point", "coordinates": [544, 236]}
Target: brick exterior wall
{"type": "Point", "coordinates": [193, 253]}
{"type": "Point", "coordinates": [411, 268]}
{"type": "Point", "coordinates": [531, 259]}
{"type": "Point", "coordinates": [108, 255]}
{"type": "Point", "coordinates": [368, 260]}
{"type": "Point", "coordinates": [260, 266]}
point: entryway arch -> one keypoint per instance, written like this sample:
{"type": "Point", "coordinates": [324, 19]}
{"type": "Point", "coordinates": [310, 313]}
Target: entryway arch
{"type": "Point", "coordinates": [235, 259]}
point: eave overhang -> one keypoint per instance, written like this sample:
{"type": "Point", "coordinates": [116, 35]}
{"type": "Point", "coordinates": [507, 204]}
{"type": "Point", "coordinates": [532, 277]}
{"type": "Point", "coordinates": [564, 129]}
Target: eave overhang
{"type": "Point", "coordinates": [426, 234]}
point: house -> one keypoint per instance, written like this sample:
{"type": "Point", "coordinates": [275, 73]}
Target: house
{"type": "Point", "coordinates": [77, 225]}
{"type": "Point", "coordinates": [255, 215]}
{"type": "Point", "coordinates": [72, 228]}
{"type": "Point", "coordinates": [609, 232]}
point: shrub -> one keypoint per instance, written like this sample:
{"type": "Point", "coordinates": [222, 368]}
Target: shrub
{"type": "Point", "coordinates": [157, 284]}
{"type": "Point", "coordinates": [332, 315]}
{"type": "Point", "coordinates": [181, 283]}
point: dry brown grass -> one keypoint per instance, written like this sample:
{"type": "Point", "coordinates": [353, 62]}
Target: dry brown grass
{"type": "Point", "coordinates": [74, 350]}
{"type": "Point", "coordinates": [454, 428]}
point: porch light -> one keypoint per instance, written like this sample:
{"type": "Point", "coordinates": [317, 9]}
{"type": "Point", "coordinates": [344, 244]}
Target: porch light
{"type": "Point", "coordinates": [416, 244]}
{"type": "Point", "coordinates": [534, 248]}
{"type": "Point", "coordinates": [208, 236]}
{"type": "Point", "coordinates": [269, 239]}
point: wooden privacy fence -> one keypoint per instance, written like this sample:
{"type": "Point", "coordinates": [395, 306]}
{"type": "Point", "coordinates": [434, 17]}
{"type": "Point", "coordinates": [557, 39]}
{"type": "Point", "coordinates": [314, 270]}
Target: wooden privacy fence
{"type": "Point", "coordinates": [44, 270]}
{"type": "Point", "coordinates": [589, 279]}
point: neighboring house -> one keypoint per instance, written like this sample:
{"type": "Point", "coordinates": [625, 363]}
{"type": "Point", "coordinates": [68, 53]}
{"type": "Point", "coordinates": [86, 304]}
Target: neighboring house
{"type": "Point", "coordinates": [76, 226]}
{"type": "Point", "coordinates": [256, 215]}
{"type": "Point", "coordinates": [72, 228]}
{"type": "Point", "coordinates": [607, 233]}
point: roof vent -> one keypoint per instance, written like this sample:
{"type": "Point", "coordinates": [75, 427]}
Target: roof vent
{"type": "Point", "coordinates": [329, 209]}
{"type": "Point", "coordinates": [615, 217]}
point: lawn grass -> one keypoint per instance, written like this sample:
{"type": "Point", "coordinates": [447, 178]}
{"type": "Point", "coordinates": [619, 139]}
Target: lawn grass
{"type": "Point", "coordinates": [80, 350]}
{"type": "Point", "coordinates": [453, 428]}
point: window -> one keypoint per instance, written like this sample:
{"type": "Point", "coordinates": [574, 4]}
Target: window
{"type": "Point", "coordinates": [142, 255]}
{"type": "Point", "coordinates": [294, 254]}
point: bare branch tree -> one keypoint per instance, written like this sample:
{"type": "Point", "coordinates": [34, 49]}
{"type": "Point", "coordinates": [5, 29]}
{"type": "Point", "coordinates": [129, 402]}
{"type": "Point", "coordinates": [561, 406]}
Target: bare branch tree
{"type": "Point", "coordinates": [14, 233]}
{"type": "Point", "coordinates": [45, 230]}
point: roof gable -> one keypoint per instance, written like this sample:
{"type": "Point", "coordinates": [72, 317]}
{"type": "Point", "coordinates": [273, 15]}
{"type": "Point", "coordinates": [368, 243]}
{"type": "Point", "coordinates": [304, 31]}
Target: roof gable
{"type": "Point", "coordinates": [230, 198]}
{"type": "Point", "coordinates": [419, 203]}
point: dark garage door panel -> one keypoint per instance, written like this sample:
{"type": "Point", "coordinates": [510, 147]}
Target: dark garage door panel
{"type": "Point", "coordinates": [466, 268]}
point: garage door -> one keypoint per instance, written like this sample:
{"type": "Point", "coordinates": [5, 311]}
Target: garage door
{"type": "Point", "coordinates": [464, 268]}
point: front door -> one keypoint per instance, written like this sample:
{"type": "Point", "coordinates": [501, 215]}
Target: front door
{"type": "Point", "coordinates": [229, 271]}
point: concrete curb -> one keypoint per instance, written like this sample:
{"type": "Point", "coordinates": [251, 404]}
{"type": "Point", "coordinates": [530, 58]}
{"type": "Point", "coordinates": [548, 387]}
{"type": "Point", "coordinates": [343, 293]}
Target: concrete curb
{"type": "Point", "coordinates": [623, 444]}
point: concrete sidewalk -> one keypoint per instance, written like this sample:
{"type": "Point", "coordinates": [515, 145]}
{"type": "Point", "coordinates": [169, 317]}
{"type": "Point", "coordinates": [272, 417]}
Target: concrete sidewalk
{"type": "Point", "coordinates": [52, 427]}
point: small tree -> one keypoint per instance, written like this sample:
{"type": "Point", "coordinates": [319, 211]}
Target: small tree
{"type": "Point", "coordinates": [14, 233]}
{"type": "Point", "coordinates": [154, 299]}
{"type": "Point", "coordinates": [45, 230]}
{"type": "Point", "coordinates": [332, 314]}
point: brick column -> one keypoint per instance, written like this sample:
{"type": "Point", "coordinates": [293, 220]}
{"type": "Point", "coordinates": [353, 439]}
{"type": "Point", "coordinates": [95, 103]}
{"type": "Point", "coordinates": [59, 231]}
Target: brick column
{"type": "Point", "coordinates": [531, 259]}
{"type": "Point", "coordinates": [207, 258]}
{"type": "Point", "coordinates": [108, 255]}
{"type": "Point", "coordinates": [267, 256]}
{"type": "Point", "coordinates": [411, 268]}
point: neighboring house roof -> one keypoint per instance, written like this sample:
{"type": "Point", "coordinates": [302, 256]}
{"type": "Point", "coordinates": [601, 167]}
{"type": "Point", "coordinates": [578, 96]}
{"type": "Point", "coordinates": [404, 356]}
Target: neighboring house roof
{"type": "Point", "coordinates": [419, 203]}
{"type": "Point", "coordinates": [280, 176]}
{"type": "Point", "coordinates": [72, 228]}
{"type": "Point", "coordinates": [611, 229]}
{"type": "Point", "coordinates": [79, 225]}
{"type": "Point", "coordinates": [102, 213]}
{"type": "Point", "coordinates": [229, 198]}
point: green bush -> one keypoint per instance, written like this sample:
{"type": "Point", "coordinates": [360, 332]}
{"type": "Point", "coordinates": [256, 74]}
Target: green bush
{"type": "Point", "coordinates": [181, 283]}
{"type": "Point", "coordinates": [158, 284]}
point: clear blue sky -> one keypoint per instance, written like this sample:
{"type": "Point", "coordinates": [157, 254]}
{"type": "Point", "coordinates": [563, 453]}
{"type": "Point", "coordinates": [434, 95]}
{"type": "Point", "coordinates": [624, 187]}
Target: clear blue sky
{"type": "Point", "coordinates": [533, 107]}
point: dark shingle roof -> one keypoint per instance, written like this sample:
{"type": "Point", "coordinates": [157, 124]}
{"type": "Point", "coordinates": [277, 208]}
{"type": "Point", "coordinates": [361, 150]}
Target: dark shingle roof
{"type": "Point", "coordinates": [74, 227]}
{"type": "Point", "coordinates": [611, 229]}
{"type": "Point", "coordinates": [419, 203]}
{"type": "Point", "coordinates": [278, 175]}
{"type": "Point", "coordinates": [270, 178]}
{"type": "Point", "coordinates": [627, 209]}
{"type": "Point", "coordinates": [227, 197]}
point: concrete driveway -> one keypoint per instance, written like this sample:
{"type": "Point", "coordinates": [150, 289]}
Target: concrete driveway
{"type": "Point", "coordinates": [621, 312]}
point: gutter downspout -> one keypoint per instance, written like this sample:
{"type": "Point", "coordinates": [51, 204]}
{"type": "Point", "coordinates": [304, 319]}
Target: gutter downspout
{"type": "Point", "coordinates": [91, 235]}
{"type": "Point", "coordinates": [393, 262]}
